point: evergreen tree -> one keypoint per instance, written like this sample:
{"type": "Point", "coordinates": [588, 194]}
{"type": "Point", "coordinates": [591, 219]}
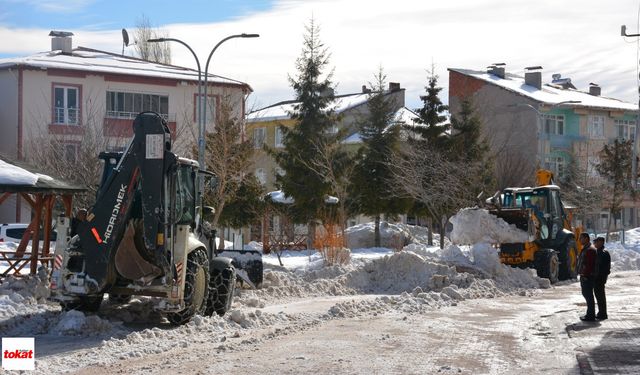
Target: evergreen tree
{"type": "Point", "coordinates": [432, 130]}
{"type": "Point", "coordinates": [432, 114]}
{"type": "Point", "coordinates": [247, 207]}
{"type": "Point", "coordinates": [314, 120]}
{"type": "Point", "coordinates": [380, 140]}
{"type": "Point", "coordinates": [615, 167]}
{"type": "Point", "coordinates": [467, 145]}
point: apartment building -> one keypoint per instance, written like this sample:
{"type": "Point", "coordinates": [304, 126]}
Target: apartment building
{"type": "Point", "coordinates": [529, 124]}
{"type": "Point", "coordinates": [70, 93]}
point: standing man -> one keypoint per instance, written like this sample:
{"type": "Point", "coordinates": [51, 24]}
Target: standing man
{"type": "Point", "coordinates": [603, 268]}
{"type": "Point", "coordinates": [586, 269]}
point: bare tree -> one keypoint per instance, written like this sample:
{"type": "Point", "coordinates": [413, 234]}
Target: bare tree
{"type": "Point", "coordinates": [228, 156]}
{"type": "Point", "coordinates": [438, 183]}
{"type": "Point", "coordinates": [71, 152]}
{"type": "Point", "coordinates": [156, 52]}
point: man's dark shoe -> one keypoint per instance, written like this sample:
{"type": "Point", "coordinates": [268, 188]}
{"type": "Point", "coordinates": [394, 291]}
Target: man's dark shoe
{"type": "Point", "coordinates": [588, 318]}
{"type": "Point", "coordinates": [601, 317]}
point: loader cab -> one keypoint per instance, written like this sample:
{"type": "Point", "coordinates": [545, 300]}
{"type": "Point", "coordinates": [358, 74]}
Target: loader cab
{"type": "Point", "coordinates": [545, 203]}
{"type": "Point", "coordinates": [183, 192]}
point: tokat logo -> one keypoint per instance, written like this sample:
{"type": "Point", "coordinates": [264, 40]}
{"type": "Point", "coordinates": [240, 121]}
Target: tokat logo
{"type": "Point", "coordinates": [18, 353]}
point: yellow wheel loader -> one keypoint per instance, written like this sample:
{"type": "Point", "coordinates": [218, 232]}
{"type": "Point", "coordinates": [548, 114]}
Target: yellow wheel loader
{"type": "Point", "coordinates": [552, 249]}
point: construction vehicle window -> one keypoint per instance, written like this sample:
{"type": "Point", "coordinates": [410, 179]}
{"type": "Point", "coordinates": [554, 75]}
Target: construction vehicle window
{"type": "Point", "coordinates": [185, 196]}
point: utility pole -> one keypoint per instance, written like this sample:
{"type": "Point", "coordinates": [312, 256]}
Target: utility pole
{"type": "Point", "coordinates": [634, 161]}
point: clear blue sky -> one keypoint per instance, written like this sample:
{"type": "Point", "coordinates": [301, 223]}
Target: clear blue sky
{"type": "Point", "coordinates": [115, 14]}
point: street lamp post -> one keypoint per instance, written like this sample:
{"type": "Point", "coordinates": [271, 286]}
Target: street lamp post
{"type": "Point", "coordinates": [200, 108]}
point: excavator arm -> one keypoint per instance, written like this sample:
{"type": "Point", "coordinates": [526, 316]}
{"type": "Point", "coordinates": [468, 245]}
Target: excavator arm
{"type": "Point", "coordinates": [135, 187]}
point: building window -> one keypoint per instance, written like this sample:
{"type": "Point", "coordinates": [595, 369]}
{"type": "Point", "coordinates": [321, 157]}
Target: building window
{"type": "Point", "coordinates": [65, 105]}
{"type": "Point", "coordinates": [557, 165]}
{"type": "Point", "coordinates": [127, 105]}
{"type": "Point", "coordinates": [626, 129]}
{"type": "Point", "coordinates": [596, 127]}
{"type": "Point", "coordinates": [554, 124]}
{"type": "Point", "coordinates": [279, 137]}
{"type": "Point", "coordinates": [259, 135]}
{"type": "Point", "coordinates": [261, 175]}
{"type": "Point", "coordinates": [592, 163]}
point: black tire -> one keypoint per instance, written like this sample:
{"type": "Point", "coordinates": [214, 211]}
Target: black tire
{"type": "Point", "coordinates": [196, 288]}
{"type": "Point", "coordinates": [119, 299]}
{"type": "Point", "coordinates": [568, 257]}
{"type": "Point", "coordinates": [84, 304]}
{"type": "Point", "coordinates": [547, 264]}
{"type": "Point", "coordinates": [221, 288]}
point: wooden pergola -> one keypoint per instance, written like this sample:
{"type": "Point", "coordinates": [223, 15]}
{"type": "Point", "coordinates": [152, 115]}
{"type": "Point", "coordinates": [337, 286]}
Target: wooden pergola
{"type": "Point", "coordinates": [41, 197]}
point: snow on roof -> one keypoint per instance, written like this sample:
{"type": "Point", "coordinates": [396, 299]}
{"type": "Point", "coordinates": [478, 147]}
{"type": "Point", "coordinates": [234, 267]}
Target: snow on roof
{"type": "Point", "coordinates": [90, 60]}
{"type": "Point", "coordinates": [549, 94]}
{"type": "Point", "coordinates": [13, 175]}
{"type": "Point", "coordinates": [280, 111]}
{"type": "Point", "coordinates": [402, 116]}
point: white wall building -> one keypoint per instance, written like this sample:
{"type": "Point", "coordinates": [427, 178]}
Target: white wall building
{"type": "Point", "coordinates": [68, 92]}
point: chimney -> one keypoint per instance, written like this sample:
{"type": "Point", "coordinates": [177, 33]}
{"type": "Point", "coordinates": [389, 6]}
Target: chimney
{"type": "Point", "coordinates": [594, 89]}
{"type": "Point", "coordinates": [533, 76]}
{"type": "Point", "coordinates": [365, 90]}
{"type": "Point", "coordinates": [394, 86]}
{"type": "Point", "coordinates": [497, 69]}
{"type": "Point", "coordinates": [61, 41]}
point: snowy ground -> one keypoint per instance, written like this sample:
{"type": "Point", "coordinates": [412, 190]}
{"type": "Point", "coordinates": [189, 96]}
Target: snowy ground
{"type": "Point", "coordinates": [394, 308]}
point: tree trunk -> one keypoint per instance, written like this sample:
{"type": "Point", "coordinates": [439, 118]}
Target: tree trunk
{"type": "Point", "coordinates": [430, 232]}
{"type": "Point", "coordinates": [311, 234]}
{"type": "Point", "coordinates": [376, 237]}
{"type": "Point", "coordinates": [443, 225]}
{"type": "Point", "coordinates": [609, 225]}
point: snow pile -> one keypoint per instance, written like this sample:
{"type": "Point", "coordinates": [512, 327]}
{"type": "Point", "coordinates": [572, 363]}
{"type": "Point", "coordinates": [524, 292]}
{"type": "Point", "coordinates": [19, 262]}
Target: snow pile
{"type": "Point", "coordinates": [473, 225]}
{"type": "Point", "coordinates": [34, 287]}
{"type": "Point", "coordinates": [623, 259]}
{"type": "Point", "coordinates": [73, 323]}
{"type": "Point", "coordinates": [393, 236]}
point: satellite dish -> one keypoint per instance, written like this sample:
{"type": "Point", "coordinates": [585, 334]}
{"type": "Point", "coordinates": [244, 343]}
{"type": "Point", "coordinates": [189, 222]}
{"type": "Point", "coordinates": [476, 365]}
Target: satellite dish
{"type": "Point", "coordinates": [125, 37]}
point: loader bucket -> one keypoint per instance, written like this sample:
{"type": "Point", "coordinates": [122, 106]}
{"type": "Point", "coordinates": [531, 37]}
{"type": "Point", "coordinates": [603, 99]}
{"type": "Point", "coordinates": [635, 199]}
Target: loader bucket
{"type": "Point", "coordinates": [249, 261]}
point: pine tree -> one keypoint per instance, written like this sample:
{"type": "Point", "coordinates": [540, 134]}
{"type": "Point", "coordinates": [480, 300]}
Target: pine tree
{"type": "Point", "coordinates": [467, 145]}
{"type": "Point", "coordinates": [615, 167]}
{"type": "Point", "coordinates": [314, 119]}
{"type": "Point", "coordinates": [432, 131]}
{"type": "Point", "coordinates": [380, 140]}
{"type": "Point", "coordinates": [432, 114]}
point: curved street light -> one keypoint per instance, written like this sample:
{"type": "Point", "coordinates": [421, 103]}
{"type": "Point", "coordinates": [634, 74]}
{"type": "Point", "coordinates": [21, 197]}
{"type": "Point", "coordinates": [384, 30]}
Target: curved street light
{"type": "Point", "coordinates": [200, 109]}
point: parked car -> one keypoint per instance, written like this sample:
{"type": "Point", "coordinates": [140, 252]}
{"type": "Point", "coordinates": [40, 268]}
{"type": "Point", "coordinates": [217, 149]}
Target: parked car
{"type": "Point", "coordinates": [14, 232]}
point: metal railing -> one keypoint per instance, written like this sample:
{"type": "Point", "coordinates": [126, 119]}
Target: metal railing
{"type": "Point", "coordinates": [67, 116]}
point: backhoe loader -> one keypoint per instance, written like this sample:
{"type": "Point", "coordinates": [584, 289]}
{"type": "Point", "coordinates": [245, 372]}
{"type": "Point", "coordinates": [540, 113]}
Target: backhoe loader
{"type": "Point", "coordinates": [144, 236]}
